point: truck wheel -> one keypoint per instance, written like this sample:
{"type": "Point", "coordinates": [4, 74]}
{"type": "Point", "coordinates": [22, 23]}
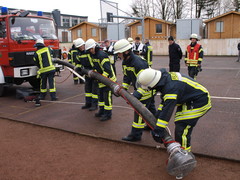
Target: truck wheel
{"type": "Point", "coordinates": [1, 89]}
{"type": "Point", "coordinates": [35, 83]}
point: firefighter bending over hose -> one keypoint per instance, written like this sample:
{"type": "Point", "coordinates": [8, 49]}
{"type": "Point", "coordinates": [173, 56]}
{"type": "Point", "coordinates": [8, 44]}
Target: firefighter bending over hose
{"type": "Point", "coordinates": [191, 98]}
{"type": "Point", "coordinates": [43, 60]}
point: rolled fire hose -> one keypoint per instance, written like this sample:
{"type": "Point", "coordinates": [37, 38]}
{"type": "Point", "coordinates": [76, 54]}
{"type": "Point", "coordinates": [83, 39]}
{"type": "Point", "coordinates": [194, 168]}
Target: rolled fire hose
{"type": "Point", "coordinates": [180, 161]}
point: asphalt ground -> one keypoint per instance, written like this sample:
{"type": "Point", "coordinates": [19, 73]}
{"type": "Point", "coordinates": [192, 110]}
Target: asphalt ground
{"type": "Point", "coordinates": [216, 134]}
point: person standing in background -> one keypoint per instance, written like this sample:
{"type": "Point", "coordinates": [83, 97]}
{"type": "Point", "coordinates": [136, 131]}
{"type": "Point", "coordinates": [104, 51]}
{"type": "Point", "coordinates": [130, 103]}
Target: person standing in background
{"type": "Point", "coordinates": [175, 55]}
{"type": "Point", "coordinates": [238, 46]}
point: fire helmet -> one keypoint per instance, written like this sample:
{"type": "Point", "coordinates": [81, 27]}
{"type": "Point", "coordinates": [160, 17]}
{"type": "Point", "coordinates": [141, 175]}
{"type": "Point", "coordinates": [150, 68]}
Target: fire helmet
{"type": "Point", "coordinates": [194, 36]}
{"type": "Point", "coordinates": [122, 46]}
{"type": "Point", "coordinates": [90, 43]}
{"type": "Point", "coordinates": [148, 78]}
{"type": "Point", "coordinates": [130, 40]}
{"type": "Point", "coordinates": [78, 42]}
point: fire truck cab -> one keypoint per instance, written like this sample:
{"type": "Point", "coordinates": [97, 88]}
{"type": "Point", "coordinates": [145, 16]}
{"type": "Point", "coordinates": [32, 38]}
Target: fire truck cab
{"type": "Point", "coordinates": [18, 33]}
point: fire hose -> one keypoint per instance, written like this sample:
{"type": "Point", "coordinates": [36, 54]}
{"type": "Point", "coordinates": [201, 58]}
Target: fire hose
{"type": "Point", "coordinates": [180, 161]}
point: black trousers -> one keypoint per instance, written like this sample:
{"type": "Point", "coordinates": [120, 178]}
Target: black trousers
{"type": "Point", "coordinates": [174, 67]}
{"type": "Point", "coordinates": [48, 76]}
{"type": "Point", "coordinates": [105, 101]}
{"type": "Point", "coordinates": [91, 91]}
{"type": "Point", "coordinates": [192, 71]}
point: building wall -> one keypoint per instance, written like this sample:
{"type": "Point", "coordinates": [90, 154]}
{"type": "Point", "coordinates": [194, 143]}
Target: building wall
{"type": "Point", "coordinates": [231, 27]}
{"type": "Point", "coordinates": [86, 32]}
{"type": "Point", "coordinates": [150, 30]}
{"type": "Point", "coordinates": [211, 47]}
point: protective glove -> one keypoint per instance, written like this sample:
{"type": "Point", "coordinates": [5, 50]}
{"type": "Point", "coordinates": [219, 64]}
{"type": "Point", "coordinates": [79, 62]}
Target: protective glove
{"type": "Point", "coordinates": [158, 134]}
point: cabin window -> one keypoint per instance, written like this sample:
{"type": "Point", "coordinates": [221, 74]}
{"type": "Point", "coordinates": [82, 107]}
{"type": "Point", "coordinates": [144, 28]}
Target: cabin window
{"type": "Point", "coordinates": [79, 32]}
{"type": "Point", "coordinates": [219, 26]}
{"type": "Point", "coordinates": [139, 29]}
{"type": "Point", "coordinates": [158, 28]}
{"type": "Point", "coordinates": [94, 32]}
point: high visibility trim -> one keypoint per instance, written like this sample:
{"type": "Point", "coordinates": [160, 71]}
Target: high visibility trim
{"type": "Point", "coordinates": [43, 90]}
{"type": "Point", "coordinates": [104, 60]}
{"type": "Point", "coordinates": [160, 107]}
{"type": "Point", "coordinates": [170, 96]}
{"type": "Point", "coordinates": [52, 90]}
{"type": "Point", "coordinates": [125, 85]}
{"type": "Point", "coordinates": [138, 125]}
{"type": "Point", "coordinates": [162, 123]}
{"type": "Point", "coordinates": [94, 96]}
{"type": "Point", "coordinates": [88, 94]}
{"type": "Point", "coordinates": [188, 149]}
{"type": "Point", "coordinates": [184, 137]}
{"type": "Point", "coordinates": [107, 107]}
{"type": "Point", "coordinates": [195, 85]}
{"type": "Point", "coordinates": [105, 74]}
{"type": "Point", "coordinates": [100, 103]}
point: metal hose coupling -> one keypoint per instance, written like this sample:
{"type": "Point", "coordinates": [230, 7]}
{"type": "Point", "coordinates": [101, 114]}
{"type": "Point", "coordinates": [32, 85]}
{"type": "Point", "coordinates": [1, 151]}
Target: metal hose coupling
{"type": "Point", "coordinates": [180, 161]}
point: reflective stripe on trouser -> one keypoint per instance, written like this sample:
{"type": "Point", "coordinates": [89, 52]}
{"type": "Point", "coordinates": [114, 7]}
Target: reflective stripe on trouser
{"type": "Point", "coordinates": [91, 88]}
{"type": "Point", "coordinates": [105, 100]}
{"type": "Point", "coordinates": [48, 76]}
{"type": "Point", "coordinates": [183, 131]}
{"type": "Point", "coordinates": [138, 123]}
{"type": "Point", "coordinates": [75, 78]}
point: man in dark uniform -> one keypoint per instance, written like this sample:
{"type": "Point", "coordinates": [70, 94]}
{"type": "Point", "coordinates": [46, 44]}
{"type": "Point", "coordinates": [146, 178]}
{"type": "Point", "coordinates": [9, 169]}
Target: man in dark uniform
{"type": "Point", "coordinates": [175, 55]}
{"type": "Point", "coordinates": [132, 65]}
{"type": "Point", "coordinates": [103, 66]}
{"type": "Point", "coordinates": [43, 60]}
{"type": "Point", "coordinates": [91, 87]}
{"type": "Point", "coordinates": [191, 98]}
{"type": "Point", "coordinates": [147, 52]}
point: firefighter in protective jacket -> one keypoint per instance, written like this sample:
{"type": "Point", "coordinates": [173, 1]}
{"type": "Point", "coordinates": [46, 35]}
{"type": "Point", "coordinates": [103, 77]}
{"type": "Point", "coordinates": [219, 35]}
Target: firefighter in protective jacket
{"type": "Point", "coordinates": [194, 56]}
{"type": "Point", "coordinates": [191, 98]}
{"type": "Point", "coordinates": [147, 52]}
{"type": "Point", "coordinates": [103, 66]}
{"type": "Point", "coordinates": [132, 65]}
{"type": "Point", "coordinates": [91, 87]}
{"type": "Point", "coordinates": [43, 59]}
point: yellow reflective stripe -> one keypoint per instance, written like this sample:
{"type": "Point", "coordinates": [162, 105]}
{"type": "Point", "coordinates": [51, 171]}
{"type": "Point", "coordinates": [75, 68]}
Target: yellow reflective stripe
{"type": "Point", "coordinates": [200, 50]}
{"type": "Point", "coordinates": [88, 94]}
{"type": "Point", "coordinates": [108, 107]}
{"type": "Point", "coordinates": [138, 125]}
{"type": "Point", "coordinates": [104, 60]}
{"type": "Point", "coordinates": [43, 90]}
{"type": "Point", "coordinates": [100, 103]}
{"type": "Point", "coordinates": [139, 72]}
{"type": "Point", "coordinates": [141, 91]}
{"type": "Point", "coordinates": [193, 111]}
{"type": "Point", "coordinates": [46, 69]}
{"type": "Point", "coordinates": [101, 85]}
{"type": "Point", "coordinates": [184, 137]}
{"type": "Point", "coordinates": [199, 59]}
{"type": "Point", "coordinates": [105, 74]}
{"type": "Point", "coordinates": [162, 123]}
{"type": "Point", "coordinates": [160, 107]}
{"type": "Point", "coordinates": [195, 85]}
{"type": "Point", "coordinates": [169, 96]}
{"type": "Point", "coordinates": [188, 149]}
{"type": "Point", "coordinates": [192, 61]}
{"type": "Point", "coordinates": [145, 97]}
{"type": "Point", "coordinates": [125, 85]}
{"type": "Point", "coordinates": [52, 90]}
{"type": "Point", "coordinates": [94, 96]}
{"type": "Point", "coordinates": [78, 65]}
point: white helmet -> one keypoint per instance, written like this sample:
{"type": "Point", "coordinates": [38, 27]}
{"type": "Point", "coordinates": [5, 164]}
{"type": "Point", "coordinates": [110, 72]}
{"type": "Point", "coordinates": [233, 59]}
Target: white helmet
{"type": "Point", "coordinates": [194, 36]}
{"type": "Point", "coordinates": [130, 40]}
{"type": "Point", "coordinates": [90, 43]}
{"type": "Point", "coordinates": [148, 78]}
{"type": "Point", "coordinates": [40, 41]}
{"type": "Point", "coordinates": [122, 46]}
{"type": "Point", "coordinates": [78, 42]}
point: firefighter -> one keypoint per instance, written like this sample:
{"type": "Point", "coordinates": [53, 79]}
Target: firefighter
{"type": "Point", "coordinates": [132, 65]}
{"type": "Point", "coordinates": [147, 52]}
{"type": "Point", "coordinates": [103, 66]}
{"type": "Point", "coordinates": [175, 55]}
{"type": "Point", "coordinates": [191, 99]}
{"type": "Point", "coordinates": [110, 51]}
{"type": "Point", "coordinates": [130, 40]}
{"type": "Point", "coordinates": [137, 46]}
{"type": "Point", "coordinates": [43, 60]}
{"type": "Point", "coordinates": [91, 87]}
{"type": "Point", "coordinates": [72, 59]}
{"type": "Point", "coordinates": [194, 56]}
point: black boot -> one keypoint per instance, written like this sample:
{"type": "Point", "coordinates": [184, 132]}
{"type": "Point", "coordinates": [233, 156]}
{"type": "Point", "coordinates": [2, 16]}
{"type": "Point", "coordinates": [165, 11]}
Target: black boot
{"type": "Point", "coordinates": [100, 113]}
{"type": "Point", "coordinates": [86, 106]}
{"type": "Point", "coordinates": [93, 107]}
{"type": "Point", "coordinates": [105, 118]}
{"type": "Point", "coordinates": [135, 135]}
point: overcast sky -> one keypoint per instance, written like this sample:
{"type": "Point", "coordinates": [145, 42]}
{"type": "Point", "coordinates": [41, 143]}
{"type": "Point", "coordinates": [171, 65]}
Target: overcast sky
{"type": "Point", "coordinates": [90, 8]}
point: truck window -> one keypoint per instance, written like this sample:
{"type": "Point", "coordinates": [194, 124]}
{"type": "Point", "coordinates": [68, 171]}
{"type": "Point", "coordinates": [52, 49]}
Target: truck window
{"type": "Point", "coordinates": [29, 28]}
{"type": "Point", "coordinates": [2, 29]}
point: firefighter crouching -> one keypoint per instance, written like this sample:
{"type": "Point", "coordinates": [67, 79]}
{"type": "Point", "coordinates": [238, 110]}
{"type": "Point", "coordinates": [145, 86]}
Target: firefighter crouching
{"type": "Point", "coordinates": [194, 56]}
{"type": "Point", "coordinates": [91, 86]}
{"type": "Point", "coordinates": [102, 65]}
{"type": "Point", "coordinates": [43, 60]}
{"type": "Point", "coordinates": [132, 65]}
{"type": "Point", "coordinates": [191, 98]}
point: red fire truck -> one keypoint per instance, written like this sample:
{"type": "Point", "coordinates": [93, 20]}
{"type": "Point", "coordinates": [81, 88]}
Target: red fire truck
{"type": "Point", "coordinates": [18, 33]}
